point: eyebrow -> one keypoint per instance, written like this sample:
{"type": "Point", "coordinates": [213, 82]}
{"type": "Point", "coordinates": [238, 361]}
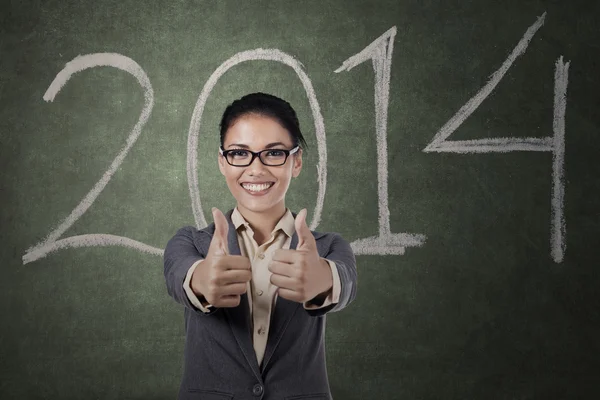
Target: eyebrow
{"type": "Point", "coordinates": [244, 146]}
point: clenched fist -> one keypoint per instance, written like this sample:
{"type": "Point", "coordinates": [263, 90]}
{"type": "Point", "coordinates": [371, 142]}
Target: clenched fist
{"type": "Point", "coordinates": [221, 278]}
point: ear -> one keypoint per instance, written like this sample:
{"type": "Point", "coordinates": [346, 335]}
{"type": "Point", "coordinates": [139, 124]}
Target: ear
{"type": "Point", "coordinates": [222, 162]}
{"type": "Point", "coordinates": [297, 163]}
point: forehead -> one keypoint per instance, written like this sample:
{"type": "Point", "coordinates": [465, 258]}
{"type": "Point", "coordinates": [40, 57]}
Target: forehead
{"type": "Point", "coordinates": [256, 131]}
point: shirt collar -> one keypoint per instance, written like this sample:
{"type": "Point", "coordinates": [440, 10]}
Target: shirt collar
{"type": "Point", "coordinates": [237, 219]}
{"type": "Point", "coordinates": [286, 223]}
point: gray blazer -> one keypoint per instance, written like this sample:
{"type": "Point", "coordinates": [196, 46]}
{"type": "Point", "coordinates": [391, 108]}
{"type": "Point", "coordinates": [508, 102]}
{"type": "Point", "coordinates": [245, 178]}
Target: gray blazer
{"type": "Point", "coordinates": [219, 358]}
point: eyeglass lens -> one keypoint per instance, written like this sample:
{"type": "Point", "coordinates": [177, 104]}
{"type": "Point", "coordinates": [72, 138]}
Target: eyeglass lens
{"type": "Point", "coordinates": [268, 157]}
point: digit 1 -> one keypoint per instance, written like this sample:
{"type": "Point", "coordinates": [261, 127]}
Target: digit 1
{"type": "Point", "coordinates": [380, 53]}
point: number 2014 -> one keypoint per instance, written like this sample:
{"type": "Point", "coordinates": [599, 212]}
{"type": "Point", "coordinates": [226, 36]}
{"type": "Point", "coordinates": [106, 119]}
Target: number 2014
{"type": "Point", "coordinates": [379, 52]}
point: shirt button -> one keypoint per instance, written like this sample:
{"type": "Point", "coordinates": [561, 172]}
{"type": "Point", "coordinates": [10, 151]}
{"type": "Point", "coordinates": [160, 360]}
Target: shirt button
{"type": "Point", "coordinates": [260, 292]}
{"type": "Point", "coordinates": [257, 390]}
{"type": "Point", "coordinates": [261, 330]}
{"type": "Point", "coordinates": [261, 255]}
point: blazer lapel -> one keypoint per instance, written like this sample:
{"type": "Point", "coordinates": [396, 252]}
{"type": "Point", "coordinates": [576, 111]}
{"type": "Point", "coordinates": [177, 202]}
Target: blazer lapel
{"type": "Point", "coordinates": [280, 318]}
{"type": "Point", "coordinates": [239, 317]}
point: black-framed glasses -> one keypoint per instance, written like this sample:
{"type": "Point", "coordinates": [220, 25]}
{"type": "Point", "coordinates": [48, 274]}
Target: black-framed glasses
{"type": "Point", "coordinates": [269, 157]}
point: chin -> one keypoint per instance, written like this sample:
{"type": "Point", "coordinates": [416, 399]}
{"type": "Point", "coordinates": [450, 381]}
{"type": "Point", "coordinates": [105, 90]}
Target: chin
{"type": "Point", "coordinates": [256, 207]}
{"type": "Point", "coordinates": [257, 204]}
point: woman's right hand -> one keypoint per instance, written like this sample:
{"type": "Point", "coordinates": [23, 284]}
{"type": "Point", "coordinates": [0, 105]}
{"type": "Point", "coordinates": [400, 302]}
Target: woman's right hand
{"type": "Point", "coordinates": [221, 278]}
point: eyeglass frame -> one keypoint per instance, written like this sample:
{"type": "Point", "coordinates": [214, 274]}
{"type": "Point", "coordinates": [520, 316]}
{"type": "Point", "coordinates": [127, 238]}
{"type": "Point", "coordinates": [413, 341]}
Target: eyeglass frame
{"type": "Point", "coordinates": [287, 153]}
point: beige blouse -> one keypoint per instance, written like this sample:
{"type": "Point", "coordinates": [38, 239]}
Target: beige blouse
{"type": "Point", "coordinates": [261, 293]}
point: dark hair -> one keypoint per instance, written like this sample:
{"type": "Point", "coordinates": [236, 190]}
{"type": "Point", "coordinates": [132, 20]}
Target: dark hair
{"type": "Point", "coordinates": [266, 105]}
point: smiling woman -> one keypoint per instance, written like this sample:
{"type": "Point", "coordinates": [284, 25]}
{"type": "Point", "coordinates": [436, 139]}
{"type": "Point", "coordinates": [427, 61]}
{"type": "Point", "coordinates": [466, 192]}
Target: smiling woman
{"type": "Point", "coordinates": [257, 283]}
{"type": "Point", "coordinates": [259, 188]}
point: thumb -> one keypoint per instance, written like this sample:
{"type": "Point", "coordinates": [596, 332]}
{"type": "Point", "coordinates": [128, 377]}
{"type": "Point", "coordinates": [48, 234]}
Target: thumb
{"type": "Point", "coordinates": [305, 237]}
{"type": "Point", "coordinates": [218, 244]}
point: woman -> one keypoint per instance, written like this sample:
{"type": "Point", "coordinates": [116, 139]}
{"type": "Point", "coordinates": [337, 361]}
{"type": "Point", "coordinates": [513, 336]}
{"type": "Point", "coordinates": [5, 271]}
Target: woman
{"type": "Point", "coordinates": [257, 283]}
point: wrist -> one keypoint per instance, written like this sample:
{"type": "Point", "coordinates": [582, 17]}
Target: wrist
{"type": "Point", "coordinates": [195, 282]}
{"type": "Point", "coordinates": [328, 274]}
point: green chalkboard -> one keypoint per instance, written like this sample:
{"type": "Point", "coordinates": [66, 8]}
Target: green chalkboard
{"type": "Point", "coordinates": [454, 143]}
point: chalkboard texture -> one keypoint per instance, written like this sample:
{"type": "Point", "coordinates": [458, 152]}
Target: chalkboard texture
{"type": "Point", "coordinates": [454, 143]}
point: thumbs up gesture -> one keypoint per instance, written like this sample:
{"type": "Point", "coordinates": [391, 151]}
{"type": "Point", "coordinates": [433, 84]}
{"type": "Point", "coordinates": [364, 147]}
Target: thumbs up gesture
{"type": "Point", "coordinates": [301, 274]}
{"type": "Point", "coordinates": [221, 278]}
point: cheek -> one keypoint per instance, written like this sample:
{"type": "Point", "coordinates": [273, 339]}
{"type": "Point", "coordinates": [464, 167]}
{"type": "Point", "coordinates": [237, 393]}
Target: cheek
{"type": "Point", "coordinates": [231, 176]}
{"type": "Point", "coordinates": [285, 176]}
{"type": "Point", "coordinates": [233, 180]}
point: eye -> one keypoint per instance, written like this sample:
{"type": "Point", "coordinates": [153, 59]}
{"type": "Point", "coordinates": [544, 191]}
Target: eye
{"type": "Point", "coordinates": [275, 153]}
{"type": "Point", "coordinates": [238, 153]}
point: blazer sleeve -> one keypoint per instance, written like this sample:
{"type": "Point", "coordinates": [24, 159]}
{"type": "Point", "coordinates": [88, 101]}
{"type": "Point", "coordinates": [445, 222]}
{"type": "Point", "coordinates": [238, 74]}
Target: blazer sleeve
{"type": "Point", "coordinates": [182, 251]}
{"type": "Point", "coordinates": [342, 255]}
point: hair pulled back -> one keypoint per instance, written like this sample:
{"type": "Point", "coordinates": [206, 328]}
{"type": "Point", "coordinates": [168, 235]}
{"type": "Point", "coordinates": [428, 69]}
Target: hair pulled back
{"type": "Point", "coordinates": [265, 105]}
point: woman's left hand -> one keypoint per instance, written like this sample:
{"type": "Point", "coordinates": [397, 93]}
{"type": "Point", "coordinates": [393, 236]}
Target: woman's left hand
{"type": "Point", "coordinates": [301, 274]}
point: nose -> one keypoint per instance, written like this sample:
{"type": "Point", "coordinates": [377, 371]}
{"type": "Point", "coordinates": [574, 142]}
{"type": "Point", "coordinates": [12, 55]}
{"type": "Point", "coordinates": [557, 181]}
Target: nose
{"type": "Point", "coordinates": [256, 167]}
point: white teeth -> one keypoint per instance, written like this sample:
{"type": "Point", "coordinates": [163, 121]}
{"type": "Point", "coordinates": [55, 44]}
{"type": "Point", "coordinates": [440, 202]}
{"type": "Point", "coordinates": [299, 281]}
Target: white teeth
{"type": "Point", "coordinates": [256, 188]}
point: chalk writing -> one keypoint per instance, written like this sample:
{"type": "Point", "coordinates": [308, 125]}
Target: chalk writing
{"type": "Point", "coordinates": [380, 53]}
{"type": "Point", "coordinates": [554, 144]}
{"type": "Point", "coordinates": [51, 242]}
{"type": "Point", "coordinates": [192, 157]}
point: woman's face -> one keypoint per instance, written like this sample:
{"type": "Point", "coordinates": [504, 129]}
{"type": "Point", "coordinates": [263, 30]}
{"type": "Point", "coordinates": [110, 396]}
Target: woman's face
{"type": "Point", "coordinates": [259, 188]}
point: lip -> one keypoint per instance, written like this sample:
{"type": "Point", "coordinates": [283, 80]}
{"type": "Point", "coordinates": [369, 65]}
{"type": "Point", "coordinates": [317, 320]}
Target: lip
{"type": "Point", "coordinates": [262, 192]}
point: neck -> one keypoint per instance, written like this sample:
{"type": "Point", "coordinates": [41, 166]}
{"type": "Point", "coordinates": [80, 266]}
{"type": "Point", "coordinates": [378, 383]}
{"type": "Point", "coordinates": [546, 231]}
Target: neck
{"type": "Point", "coordinates": [263, 222]}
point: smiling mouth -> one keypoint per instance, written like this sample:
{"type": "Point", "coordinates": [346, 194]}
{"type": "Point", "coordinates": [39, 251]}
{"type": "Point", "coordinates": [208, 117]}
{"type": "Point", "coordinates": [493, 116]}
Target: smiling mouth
{"type": "Point", "coordinates": [257, 188]}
